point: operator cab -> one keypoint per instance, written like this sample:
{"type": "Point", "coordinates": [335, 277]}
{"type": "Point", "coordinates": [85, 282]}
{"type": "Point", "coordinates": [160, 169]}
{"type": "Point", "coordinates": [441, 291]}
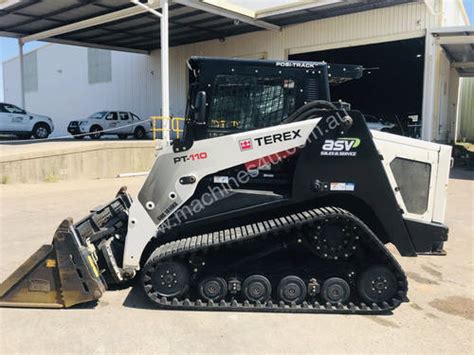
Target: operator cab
{"type": "Point", "coordinates": [227, 96]}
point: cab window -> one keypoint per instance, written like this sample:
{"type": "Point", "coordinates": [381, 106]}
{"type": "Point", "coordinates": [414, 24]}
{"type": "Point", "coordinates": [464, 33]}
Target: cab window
{"type": "Point", "coordinates": [111, 116]}
{"type": "Point", "coordinates": [241, 102]}
{"type": "Point", "coordinates": [135, 117]}
{"type": "Point", "coordinates": [97, 115]}
{"type": "Point", "coordinates": [13, 109]}
{"type": "Point", "coordinates": [123, 116]}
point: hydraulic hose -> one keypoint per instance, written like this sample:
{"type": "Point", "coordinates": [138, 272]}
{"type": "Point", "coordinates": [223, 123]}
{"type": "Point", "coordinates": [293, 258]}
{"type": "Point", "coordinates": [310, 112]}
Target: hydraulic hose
{"type": "Point", "coordinates": [311, 109]}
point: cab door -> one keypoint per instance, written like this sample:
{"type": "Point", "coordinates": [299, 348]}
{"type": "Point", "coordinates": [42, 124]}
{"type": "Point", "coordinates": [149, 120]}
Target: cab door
{"type": "Point", "coordinates": [14, 119]}
{"type": "Point", "coordinates": [5, 119]}
{"type": "Point", "coordinates": [111, 123]}
{"type": "Point", "coordinates": [124, 123]}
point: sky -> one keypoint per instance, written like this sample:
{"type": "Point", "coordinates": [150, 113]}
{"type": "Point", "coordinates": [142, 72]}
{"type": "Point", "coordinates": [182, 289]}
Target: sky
{"type": "Point", "coordinates": [9, 46]}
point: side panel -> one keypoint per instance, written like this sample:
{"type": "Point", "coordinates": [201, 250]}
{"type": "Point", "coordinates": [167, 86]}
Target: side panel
{"type": "Point", "coordinates": [174, 176]}
{"type": "Point", "coordinates": [352, 171]}
{"type": "Point", "coordinates": [394, 152]}
{"type": "Point", "coordinates": [437, 156]}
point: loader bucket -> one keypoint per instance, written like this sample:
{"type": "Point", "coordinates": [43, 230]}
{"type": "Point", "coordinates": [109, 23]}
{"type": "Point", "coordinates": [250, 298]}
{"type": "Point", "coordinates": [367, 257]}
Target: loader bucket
{"type": "Point", "coordinates": [59, 275]}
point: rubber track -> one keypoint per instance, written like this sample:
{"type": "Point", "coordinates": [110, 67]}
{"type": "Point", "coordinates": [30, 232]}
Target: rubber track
{"type": "Point", "coordinates": [272, 227]}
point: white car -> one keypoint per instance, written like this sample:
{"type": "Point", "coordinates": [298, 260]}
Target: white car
{"type": "Point", "coordinates": [120, 123]}
{"type": "Point", "coordinates": [378, 124]}
{"type": "Point", "coordinates": [14, 120]}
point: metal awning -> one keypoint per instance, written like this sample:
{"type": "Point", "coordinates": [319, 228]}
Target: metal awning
{"type": "Point", "coordinates": [118, 24]}
{"type": "Point", "coordinates": [458, 44]}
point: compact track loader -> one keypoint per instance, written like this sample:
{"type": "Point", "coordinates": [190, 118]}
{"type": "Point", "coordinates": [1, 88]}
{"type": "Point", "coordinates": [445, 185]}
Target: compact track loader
{"type": "Point", "coordinates": [275, 199]}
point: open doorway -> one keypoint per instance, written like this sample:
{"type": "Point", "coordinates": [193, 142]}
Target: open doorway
{"type": "Point", "coordinates": [391, 89]}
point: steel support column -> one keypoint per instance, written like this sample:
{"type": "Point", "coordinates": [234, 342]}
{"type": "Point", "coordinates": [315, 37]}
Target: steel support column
{"type": "Point", "coordinates": [165, 94]}
{"type": "Point", "coordinates": [22, 76]}
{"type": "Point", "coordinates": [429, 87]}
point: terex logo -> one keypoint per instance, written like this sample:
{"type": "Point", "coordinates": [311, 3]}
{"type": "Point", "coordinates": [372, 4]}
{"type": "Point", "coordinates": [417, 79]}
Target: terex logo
{"type": "Point", "coordinates": [340, 147]}
{"type": "Point", "coordinates": [278, 137]}
{"type": "Point", "coordinates": [245, 144]}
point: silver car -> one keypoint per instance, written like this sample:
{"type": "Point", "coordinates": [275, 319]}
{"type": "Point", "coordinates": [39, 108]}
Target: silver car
{"type": "Point", "coordinates": [378, 124]}
{"type": "Point", "coordinates": [23, 124]}
{"type": "Point", "coordinates": [120, 123]}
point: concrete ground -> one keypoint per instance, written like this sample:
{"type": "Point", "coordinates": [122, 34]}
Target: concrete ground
{"type": "Point", "coordinates": [439, 318]}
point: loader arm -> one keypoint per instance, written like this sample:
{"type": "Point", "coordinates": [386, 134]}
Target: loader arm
{"type": "Point", "coordinates": [174, 176]}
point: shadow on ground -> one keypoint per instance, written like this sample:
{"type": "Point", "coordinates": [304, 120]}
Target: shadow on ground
{"type": "Point", "coordinates": [136, 298]}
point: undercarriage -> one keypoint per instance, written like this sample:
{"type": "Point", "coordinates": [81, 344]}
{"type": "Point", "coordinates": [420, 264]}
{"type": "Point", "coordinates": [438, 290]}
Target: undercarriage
{"type": "Point", "coordinates": [289, 263]}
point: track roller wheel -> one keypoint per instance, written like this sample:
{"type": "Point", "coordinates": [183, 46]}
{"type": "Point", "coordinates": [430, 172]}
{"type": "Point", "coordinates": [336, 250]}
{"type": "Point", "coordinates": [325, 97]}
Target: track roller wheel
{"type": "Point", "coordinates": [377, 284]}
{"type": "Point", "coordinates": [292, 289]}
{"type": "Point", "coordinates": [335, 290]}
{"type": "Point", "coordinates": [168, 279]}
{"type": "Point", "coordinates": [257, 288]}
{"type": "Point", "coordinates": [213, 288]}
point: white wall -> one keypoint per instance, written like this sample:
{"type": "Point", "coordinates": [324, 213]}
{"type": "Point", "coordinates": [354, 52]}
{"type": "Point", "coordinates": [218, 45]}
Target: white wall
{"type": "Point", "coordinates": [441, 79]}
{"type": "Point", "coordinates": [64, 93]}
{"type": "Point", "coordinates": [67, 95]}
{"type": "Point", "coordinates": [466, 111]}
{"type": "Point", "coordinates": [453, 13]}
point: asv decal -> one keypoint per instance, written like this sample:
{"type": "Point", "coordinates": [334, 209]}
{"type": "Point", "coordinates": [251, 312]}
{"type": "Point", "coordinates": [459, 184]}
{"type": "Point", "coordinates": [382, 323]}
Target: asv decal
{"type": "Point", "coordinates": [341, 147]}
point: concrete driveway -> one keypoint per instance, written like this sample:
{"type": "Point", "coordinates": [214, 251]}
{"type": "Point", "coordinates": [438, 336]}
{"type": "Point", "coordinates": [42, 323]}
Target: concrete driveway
{"type": "Point", "coordinates": [439, 318]}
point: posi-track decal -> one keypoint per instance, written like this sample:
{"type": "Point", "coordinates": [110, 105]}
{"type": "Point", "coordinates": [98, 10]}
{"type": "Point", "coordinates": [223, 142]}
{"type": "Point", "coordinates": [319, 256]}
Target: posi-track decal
{"type": "Point", "coordinates": [341, 147]}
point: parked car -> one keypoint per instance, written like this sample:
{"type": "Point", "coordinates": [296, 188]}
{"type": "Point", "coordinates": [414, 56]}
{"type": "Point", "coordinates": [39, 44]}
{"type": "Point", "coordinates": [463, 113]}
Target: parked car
{"type": "Point", "coordinates": [120, 123]}
{"type": "Point", "coordinates": [378, 124]}
{"type": "Point", "coordinates": [23, 124]}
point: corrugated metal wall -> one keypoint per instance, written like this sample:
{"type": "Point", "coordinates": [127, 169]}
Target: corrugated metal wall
{"type": "Point", "coordinates": [375, 26]}
{"type": "Point", "coordinates": [466, 110]}
{"type": "Point", "coordinates": [64, 92]}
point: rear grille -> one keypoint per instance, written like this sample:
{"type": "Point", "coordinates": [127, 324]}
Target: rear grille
{"type": "Point", "coordinates": [312, 89]}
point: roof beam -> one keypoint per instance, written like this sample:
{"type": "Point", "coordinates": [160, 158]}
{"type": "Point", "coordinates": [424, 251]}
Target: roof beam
{"type": "Point", "coordinates": [113, 16]}
{"type": "Point", "coordinates": [463, 65]}
{"type": "Point", "coordinates": [173, 27]}
{"type": "Point", "coordinates": [16, 4]}
{"type": "Point", "coordinates": [230, 14]}
{"type": "Point", "coordinates": [455, 39]}
{"type": "Point", "coordinates": [97, 45]}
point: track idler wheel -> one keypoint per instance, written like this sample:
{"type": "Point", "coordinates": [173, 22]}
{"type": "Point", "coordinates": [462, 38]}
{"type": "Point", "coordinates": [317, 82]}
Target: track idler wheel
{"type": "Point", "coordinates": [213, 289]}
{"type": "Point", "coordinates": [169, 279]}
{"type": "Point", "coordinates": [257, 288]}
{"type": "Point", "coordinates": [377, 284]}
{"type": "Point", "coordinates": [335, 290]}
{"type": "Point", "coordinates": [292, 289]}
